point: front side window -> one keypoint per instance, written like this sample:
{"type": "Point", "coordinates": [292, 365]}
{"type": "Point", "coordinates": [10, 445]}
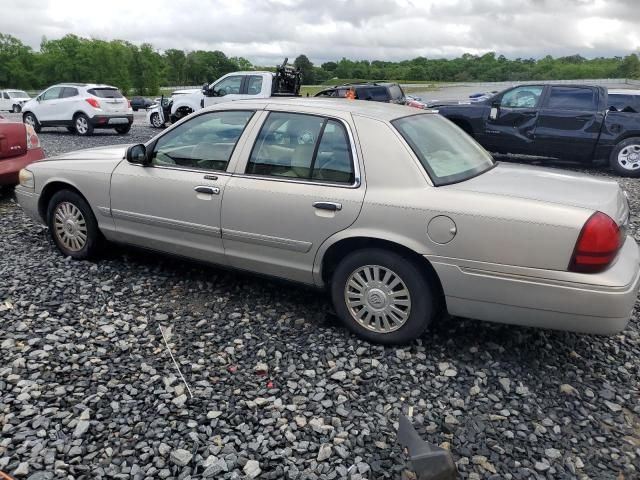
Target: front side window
{"type": "Point", "coordinates": [205, 142]}
{"type": "Point", "coordinates": [52, 93]}
{"type": "Point", "coordinates": [522, 97]}
{"type": "Point", "coordinates": [254, 85]}
{"type": "Point", "coordinates": [447, 154]}
{"type": "Point", "coordinates": [572, 98]}
{"type": "Point", "coordinates": [396, 92]}
{"type": "Point", "coordinates": [304, 147]}
{"type": "Point", "coordinates": [228, 86]}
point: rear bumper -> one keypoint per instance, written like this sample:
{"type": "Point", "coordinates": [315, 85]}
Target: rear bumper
{"type": "Point", "coordinates": [111, 121]}
{"type": "Point", "coordinates": [600, 303]}
{"type": "Point", "coordinates": [10, 167]}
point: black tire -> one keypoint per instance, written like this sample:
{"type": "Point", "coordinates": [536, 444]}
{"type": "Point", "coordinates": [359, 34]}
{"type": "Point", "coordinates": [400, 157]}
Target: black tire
{"type": "Point", "coordinates": [16, 109]}
{"type": "Point", "coordinates": [30, 119]}
{"type": "Point", "coordinates": [420, 294]}
{"type": "Point", "coordinates": [626, 165]}
{"type": "Point", "coordinates": [155, 120]}
{"type": "Point", "coordinates": [123, 129]}
{"type": "Point", "coordinates": [60, 201]}
{"type": "Point", "coordinates": [135, 109]}
{"type": "Point", "coordinates": [82, 125]}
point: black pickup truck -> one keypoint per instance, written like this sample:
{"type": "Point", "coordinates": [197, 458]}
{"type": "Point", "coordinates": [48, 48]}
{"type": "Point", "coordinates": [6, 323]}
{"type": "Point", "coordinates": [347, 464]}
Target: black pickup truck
{"type": "Point", "coordinates": [571, 122]}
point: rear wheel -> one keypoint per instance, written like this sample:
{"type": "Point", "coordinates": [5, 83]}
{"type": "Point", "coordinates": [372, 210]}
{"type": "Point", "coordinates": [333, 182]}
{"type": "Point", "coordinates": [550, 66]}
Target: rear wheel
{"type": "Point", "coordinates": [82, 125]}
{"type": "Point", "coordinates": [382, 296]}
{"type": "Point", "coordinates": [156, 121]}
{"type": "Point", "coordinates": [625, 158]}
{"type": "Point", "coordinates": [123, 129]}
{"type": "Point", "coordinates": [72, 225]}
{"type": "Point", "coordinates": [30, 119]}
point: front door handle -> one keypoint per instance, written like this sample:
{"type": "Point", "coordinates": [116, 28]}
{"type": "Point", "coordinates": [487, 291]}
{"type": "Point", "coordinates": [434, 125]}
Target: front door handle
{"type": "Point", "coordinates": [207, 190]}
{"type": "Point", "coordinates": [332, 206]}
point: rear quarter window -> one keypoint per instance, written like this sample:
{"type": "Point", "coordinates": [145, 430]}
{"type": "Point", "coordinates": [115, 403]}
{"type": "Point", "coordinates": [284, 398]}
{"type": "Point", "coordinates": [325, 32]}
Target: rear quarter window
{"type": "Point", "coordinates": [105, 92]}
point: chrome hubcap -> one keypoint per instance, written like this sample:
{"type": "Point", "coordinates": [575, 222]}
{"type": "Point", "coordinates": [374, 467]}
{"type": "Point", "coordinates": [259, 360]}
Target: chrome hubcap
{"type": "Point", "coordinates": [29, 120]}
{"type": "Point", "coordinates": [156, 120]}
{"type": "Point", "coordinates": [70, 226]}
{"type": "Point", "coordinates": [81, 125]}
{"type": "Point", "coordinates": [629, 157]}
{"type": "Point", "coordinates": [377, 298]}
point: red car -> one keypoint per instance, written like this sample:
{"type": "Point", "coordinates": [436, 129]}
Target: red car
{"type": "Point", "coordinates": [19, 146]}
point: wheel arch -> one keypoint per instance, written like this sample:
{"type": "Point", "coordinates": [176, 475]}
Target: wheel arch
{"type": "Point", "coordinates": [338, 250]}
{"type": "Point", "coordinates": [50, 189]}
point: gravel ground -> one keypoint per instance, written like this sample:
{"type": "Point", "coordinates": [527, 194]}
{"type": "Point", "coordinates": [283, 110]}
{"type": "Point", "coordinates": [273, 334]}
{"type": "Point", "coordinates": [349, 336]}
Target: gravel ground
{"type": "Point", "coordinates": [280, 389]}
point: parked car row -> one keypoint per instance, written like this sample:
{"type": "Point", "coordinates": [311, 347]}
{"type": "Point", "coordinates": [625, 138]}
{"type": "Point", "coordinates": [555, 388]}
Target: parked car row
{"type": "Point", "coordinates": [303, 189]}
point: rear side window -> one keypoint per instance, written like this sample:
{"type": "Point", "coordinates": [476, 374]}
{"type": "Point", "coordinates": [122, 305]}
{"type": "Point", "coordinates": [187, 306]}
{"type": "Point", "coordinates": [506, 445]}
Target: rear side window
{"type": "Point", "coordinates": [304, 147]}
{"type": "Point", "coordinates": [572, 98]}
{"type": "Point", "coordinates": [624, 102]}
{"type": "Point", "coordinates": [254, 85]}
{"type": "Point", "coordinates": [396, 92]}
{"type": "Point", "coordinates": [69, 92]}
{"type": "Point", "coordinates": [376, 94]}
{"type": "Point", "coordinates": [105, 92]}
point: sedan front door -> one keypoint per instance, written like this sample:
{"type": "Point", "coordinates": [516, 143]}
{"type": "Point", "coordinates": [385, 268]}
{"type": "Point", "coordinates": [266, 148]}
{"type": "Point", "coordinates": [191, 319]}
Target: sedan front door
{"type": "Point", "coordinates": [173, 204]}
{"type": "Point", "coordinates": [299, 184]}
{"type": "Point", "coordinates": [511, 124]}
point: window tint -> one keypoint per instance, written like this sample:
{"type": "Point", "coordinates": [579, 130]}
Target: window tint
{"type": "Point", "coordinates": [447, 154]}
{"type": "Point", "coordinates": [522, 97]}
{"type": "Point", "coordinates": [571, 98]}
{"type": "Point", "coordinates": [52, 93]}
{"type": "Point", "coordinates": [396, 92]}
{"type": "Point", "coordinates": [254, 85]}
{"type": "Point", "coordinates": [624, 102]}
{"type": "Point", "coordinates": [69, 92]}
{"type": "Point", "coordinates": [377, 94]}
{"type": "Point", "coordinates": [105, 92]}
{"type": "Point", "coordinates": [206, 141]}
{"type": "Point", "coordinates": [5, 95]}
{"type": "Point", "coordinates": [303, 147]}
{"type": "Point", "coordinates": [228, 86]}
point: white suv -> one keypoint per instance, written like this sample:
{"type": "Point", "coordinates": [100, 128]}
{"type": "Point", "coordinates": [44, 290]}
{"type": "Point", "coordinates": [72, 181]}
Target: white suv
{"type": "Point", "coordinates": [80, 107]}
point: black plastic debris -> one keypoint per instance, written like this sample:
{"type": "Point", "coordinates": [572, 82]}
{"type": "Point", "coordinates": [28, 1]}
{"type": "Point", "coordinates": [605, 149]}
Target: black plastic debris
{"type": "Point", "coordinates": [429, 462]}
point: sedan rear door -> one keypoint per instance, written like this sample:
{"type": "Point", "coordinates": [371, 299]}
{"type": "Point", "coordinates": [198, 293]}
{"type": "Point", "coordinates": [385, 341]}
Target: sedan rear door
{"type": "Point", "coordinates": [297, 183]}
{"type": "Point", "coordinates": [569, 123]}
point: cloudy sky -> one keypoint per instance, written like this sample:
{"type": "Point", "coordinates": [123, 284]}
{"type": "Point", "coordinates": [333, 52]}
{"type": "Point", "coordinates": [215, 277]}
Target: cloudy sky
{"type": "Point", "coordinates": [266, 30]}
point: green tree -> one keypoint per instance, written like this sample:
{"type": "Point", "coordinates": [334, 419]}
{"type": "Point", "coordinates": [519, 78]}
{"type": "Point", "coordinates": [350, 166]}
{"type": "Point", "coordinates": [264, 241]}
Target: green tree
{"type": "Point", "coordinates": [305, 66]}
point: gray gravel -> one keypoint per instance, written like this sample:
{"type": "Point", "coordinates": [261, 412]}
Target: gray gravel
{"type": "Point", "coordinates": [280, 389]}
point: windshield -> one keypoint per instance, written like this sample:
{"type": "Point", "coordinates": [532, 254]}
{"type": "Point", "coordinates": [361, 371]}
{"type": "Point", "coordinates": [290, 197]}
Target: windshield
{"type": "Point", "coordinates": [18, 94]}
{"type": "Point", "coordinates": [446, 152]}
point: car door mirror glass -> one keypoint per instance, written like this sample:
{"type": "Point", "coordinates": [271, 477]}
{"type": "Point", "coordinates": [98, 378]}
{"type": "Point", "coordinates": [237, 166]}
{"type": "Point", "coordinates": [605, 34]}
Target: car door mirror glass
{"type": "Point", "coordinates": [137, 154]}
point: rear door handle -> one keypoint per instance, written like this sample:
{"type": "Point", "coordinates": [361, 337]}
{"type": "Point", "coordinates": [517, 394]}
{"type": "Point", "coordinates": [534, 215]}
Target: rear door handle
{"type": "Point", "coordinates": [332, 206]}
{"type": "Point", "coordinates": [207, 190]}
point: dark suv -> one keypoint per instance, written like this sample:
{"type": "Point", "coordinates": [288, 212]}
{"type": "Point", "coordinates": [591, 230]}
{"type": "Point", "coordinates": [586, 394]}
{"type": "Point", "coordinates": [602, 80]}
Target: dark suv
{"type": "Point", "coordinates": [376, 92]}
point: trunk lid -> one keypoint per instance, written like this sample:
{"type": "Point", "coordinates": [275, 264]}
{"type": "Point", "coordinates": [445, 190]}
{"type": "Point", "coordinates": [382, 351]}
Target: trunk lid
{"type": "Point", "coordinates": [111, 100]}
{"type": "Point", "coordinates": [551, 186]}
{"type": "Point", "coordinates": [13, 140]}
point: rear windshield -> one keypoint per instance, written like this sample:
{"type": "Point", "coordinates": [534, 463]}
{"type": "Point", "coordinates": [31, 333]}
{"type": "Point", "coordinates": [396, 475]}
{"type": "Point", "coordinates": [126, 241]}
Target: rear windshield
{"type": "Point", "coordinates": [446, 152]}
{"type": "Point", "coordinates": [105, 92]}
{"type": "Point", "coordinates": [18, 94]}
{"type": "Point", "coordinates": [377, 94]}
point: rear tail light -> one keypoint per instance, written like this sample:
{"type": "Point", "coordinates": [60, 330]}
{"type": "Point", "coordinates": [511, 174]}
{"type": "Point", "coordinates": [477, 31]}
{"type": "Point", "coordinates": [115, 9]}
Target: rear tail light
{"type": "Point", "coordinates": [93, 102]}
{"type": "Point", "coordinates": [32, 138]}
{"type": "Point", "coordinates": [598, 244]}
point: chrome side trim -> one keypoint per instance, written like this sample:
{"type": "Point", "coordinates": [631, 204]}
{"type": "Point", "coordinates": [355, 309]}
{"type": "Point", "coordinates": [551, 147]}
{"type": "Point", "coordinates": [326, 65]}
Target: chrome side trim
{"type": "Point", "coordinates": [267, 240]}
{"type": "Point", "coordinates": [106, 211]}
{"type": "Point", "coordinates": [166, 223]}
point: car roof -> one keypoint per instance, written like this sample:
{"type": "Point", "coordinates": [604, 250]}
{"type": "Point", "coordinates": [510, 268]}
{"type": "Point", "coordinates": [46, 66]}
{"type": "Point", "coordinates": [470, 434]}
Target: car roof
{"type": "Point", "coordinates": [623, 91]}
{"type": "Point", "coordinates": [87, 85]}
{"type": "Point", "coordinates": [325, 106]}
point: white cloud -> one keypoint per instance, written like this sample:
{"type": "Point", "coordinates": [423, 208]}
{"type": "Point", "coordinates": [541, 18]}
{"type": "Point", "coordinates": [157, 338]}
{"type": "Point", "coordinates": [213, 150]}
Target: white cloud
{"type": "Point", "coordinates": [264, 31]}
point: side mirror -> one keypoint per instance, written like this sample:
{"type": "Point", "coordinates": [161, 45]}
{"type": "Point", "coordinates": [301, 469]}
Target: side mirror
{"type": "Point", "coordinates": [495, 107]}
{"type": "Point", "coordinates": [137, 154]}
{"type": "Point", "coordinates": [39, 98]}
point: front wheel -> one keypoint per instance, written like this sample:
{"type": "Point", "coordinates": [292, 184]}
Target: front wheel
{"type": "Point", "coordinates": [625, 158]}
{"type": "Point", "coordinates": [382, 296]}
{"type": "Point", "coordinates": [82, 125]}
{"type": "Point", "coordinates": [156, 121]}
{"type": "Point", "coordinates": [30, 119]}
{"type": "Point", "coordinates": [72, 225]}
{"type": "Point", "coordinates": [123, 129]}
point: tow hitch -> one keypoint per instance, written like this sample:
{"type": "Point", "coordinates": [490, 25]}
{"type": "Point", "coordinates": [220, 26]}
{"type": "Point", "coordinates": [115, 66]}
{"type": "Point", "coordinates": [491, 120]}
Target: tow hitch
{"type": "Point", "coordinates": [429, 462]}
